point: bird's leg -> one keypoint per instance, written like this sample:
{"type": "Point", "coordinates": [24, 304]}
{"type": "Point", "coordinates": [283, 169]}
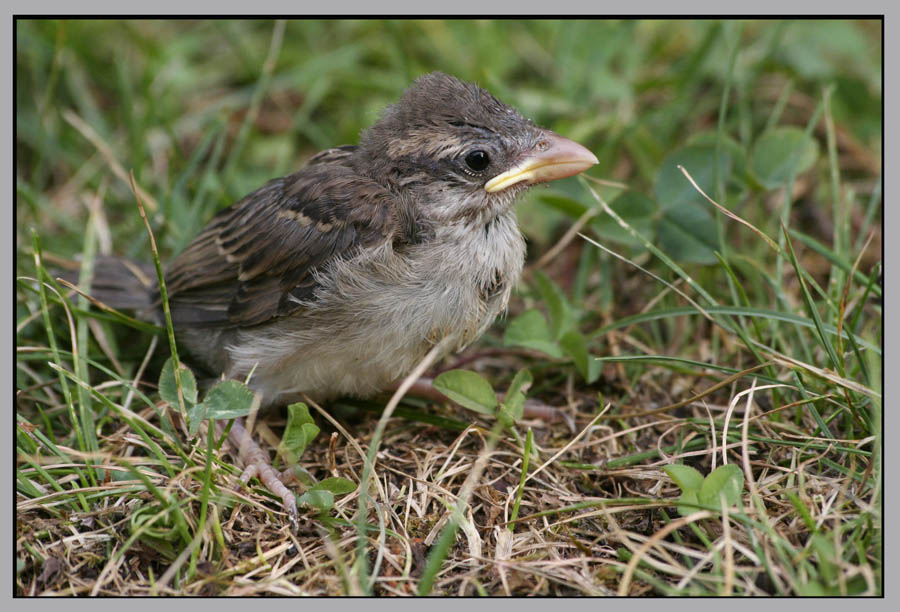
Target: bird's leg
{"type": "Point", "coordinates": [257, 463]}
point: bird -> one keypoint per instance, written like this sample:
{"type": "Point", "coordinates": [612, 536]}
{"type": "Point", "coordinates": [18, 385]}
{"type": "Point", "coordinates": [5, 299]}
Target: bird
{"type": "Point", "coordinates": [336, 280]}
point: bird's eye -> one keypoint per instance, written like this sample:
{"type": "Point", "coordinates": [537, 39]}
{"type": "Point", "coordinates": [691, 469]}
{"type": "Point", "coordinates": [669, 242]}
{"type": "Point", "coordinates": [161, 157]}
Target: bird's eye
{"type": "Point", "coordinates": [477, 160]}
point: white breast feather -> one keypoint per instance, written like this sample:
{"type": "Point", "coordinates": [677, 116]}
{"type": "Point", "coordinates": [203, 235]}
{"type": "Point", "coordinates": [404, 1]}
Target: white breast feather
{"type": "Point", "coordinates": [376, 316]}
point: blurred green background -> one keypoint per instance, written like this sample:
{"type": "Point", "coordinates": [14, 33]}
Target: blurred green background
{"type": "Point", "coordinates": [190, 107]}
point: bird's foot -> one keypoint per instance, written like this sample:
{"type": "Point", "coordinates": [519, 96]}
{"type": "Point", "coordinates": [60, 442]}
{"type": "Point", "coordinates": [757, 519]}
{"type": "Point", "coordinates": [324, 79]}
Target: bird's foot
{"type": "Point", "coordinates": [257, 464]}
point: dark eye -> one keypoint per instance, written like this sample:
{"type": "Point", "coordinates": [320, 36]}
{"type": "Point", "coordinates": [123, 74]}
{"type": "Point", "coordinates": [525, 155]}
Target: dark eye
{"type": "Point", "coordinates": [477, 160]}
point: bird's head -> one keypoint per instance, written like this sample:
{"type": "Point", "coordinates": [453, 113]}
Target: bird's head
{"type": "Point", "coordinates": [461, 152]}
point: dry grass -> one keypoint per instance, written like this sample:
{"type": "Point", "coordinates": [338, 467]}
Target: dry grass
{"type": "Point", "coordinates": [595, 506]}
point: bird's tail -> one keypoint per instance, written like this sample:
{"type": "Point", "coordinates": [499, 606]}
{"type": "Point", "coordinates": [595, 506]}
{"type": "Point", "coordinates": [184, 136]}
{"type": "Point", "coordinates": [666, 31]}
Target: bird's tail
{"type": "Point", "coordinates": [124, 285]}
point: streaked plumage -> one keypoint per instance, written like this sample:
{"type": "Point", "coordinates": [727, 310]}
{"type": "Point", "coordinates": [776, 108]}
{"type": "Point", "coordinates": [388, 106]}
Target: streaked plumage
{"type": "Point", "coordinates": [338, 278]}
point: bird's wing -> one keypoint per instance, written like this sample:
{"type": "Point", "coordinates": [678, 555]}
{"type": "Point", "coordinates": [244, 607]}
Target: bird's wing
{"type": "Point", "coordinates": [255, 261]}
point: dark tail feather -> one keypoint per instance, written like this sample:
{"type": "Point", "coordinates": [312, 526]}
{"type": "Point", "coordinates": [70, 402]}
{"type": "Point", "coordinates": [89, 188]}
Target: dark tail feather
{"type": "Point", "coordinates": [123, 284]}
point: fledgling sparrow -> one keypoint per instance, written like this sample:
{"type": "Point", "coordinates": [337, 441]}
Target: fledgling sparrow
{"type": "Point", "coordinates": [338, 279]}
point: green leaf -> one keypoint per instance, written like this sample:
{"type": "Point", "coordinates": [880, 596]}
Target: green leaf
{"type": "Point", "coordinates": [230, 399]}
{"type": "Point", "coordinates": [167, 389]}
{"type": "Point", "coordinates": [338, 486]}
{"type": "Point", "coordinates": [320, 499]}
{"type": "Point", "coordinates": [467, 389]}
{"type": "Point", "coordinates": [196, 414]}
{"type": "Point", "coordinates": [637, 210]}
{"type": "Point", "coordinates": [509, 415]}
{"type": "Point", "coordinates": [688, 234]}
{"type": "Point", "coordinates": [301, 475]}
{"type": "Point", "coordinates": [687, 230]}
{"type": "Point", "coordinates": [300, 431]}
{"type": "Point", "coordinates": [734, 149]}
{"type": "Point", "coordinates": [727, 480]}
{"type": "Point", "coordinates": [521, 382]}
{"type": "Point", "coordinates": [513, 405]}
{"type": "Point", "coordinates": [686, 477]}
{"type": "Point", "coordinates": [672, 188]}
{"type": "Point", "coordinates": [688, 497]}
{"type": "Point", "coordinates": [561, 317]}
{"type": "Point", "coordinates": [781, 153]}
{"type": "Point", "coordinates": [575, 345]}
{"type": "Point", "coordinates": [530, 330]}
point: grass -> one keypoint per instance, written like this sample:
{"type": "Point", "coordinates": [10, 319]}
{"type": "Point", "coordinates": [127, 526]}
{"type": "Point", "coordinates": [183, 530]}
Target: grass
{"type": "Point", "coordinates": [742, 327]}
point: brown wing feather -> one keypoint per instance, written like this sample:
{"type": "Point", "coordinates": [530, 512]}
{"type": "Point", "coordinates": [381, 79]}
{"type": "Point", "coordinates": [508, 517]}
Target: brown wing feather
{"type": "Point", "coordinates": [255, 260]}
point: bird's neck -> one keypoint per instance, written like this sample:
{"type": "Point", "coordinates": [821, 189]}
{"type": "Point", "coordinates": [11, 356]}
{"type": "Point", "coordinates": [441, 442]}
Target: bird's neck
{"type": "Point", "coordinates": [494, 246]}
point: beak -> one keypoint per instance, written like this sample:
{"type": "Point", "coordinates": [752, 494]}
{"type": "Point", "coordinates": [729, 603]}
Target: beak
{"type": "Point", "coordinates": [554, 157]}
